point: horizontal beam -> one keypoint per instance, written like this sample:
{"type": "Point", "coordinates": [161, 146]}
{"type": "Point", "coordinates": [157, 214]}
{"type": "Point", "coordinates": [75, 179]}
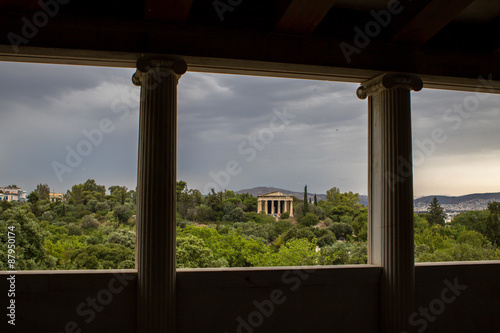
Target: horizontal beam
{"type": "Point", "coordinates": [429, 21]}
{"type": "Point", "coordinates": [303, 16]}
{"type": "Point", "coordinates": [220, 50]}
{"type": "Point", "coordinates": [167, 10]}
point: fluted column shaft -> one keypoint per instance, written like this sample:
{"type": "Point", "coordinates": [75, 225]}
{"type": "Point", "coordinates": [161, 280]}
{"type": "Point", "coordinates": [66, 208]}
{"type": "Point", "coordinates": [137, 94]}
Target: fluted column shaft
{"type": "Point", "coordinates": [390, 192]}
{"type": "Point", "coordinates": [156, 199]}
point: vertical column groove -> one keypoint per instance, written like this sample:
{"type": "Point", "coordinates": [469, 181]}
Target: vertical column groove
{"type": "Point", "coordinates": [156, 199]}
{"type": "Point", "coordinates": [390, 190]}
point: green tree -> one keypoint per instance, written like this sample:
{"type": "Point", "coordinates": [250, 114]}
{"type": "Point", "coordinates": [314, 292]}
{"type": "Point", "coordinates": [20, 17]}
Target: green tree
{"type": "Point", "coordinates": [181, 186]}
{"type": "Point", "coordinates": [309, 219]}
{"type": "Point", "coordinates": [349, 199]}
{"type": "Point", "coordinates": [102, 207]}
{"type": "Point", "coordinates": [493, 223]}
{"type": "Point", "coordinates": [297, 252]}
{"type": "Point", "coordinates": [33, 197]}
{"type": "Point", "coordinates": [75, 195]}
{"type": "Point", "coordinates": [237, 215]}
{"type": "Point", "coordinates": [125, 237]}
{"type": "Point", "coordinates": [193, 253]}
{"type": "Point", "coordinates": [297, 232]}
{"type": "Point", "coordinates": [333, 195]}
{"type": "Point", "coordinates": [360, 226]}
{"type": "Point", "coordinates": [4, 205]}
{"type": "Point", "coordinates": [252, 230]}
{"type": "Point", "coordinates": [340, 211]}
{"type": "Point", "coordinates": [342, 253]}
{"type": "Point", "coordinates": [249, 202]}
{"type": "Point", "coordinates": [29, 238]}
{"type": "Point", "coordinates": [122, 213]}
{"type": "Point", "coordinates": [91, 186]}
{"type": "Point", "coordinates": [43, 191]}
{"type": "Point", "coordinates": [204, 213]}
{"type": "Point", "coordinates": [341, 230]}
{"type": "Point", "coordinates": [89, 222]}
{"type": "Point", "coordinates": [315, 200]}
{"type": "Point", "coordinates": [472, 220]}
{"type": "Point", "coordinates": [436, 213]}
{"type": "Point", "coordinates": [119, 193]}
{"type": "Point", "coordinates": [298, 210]}
{"type": "Point", "coordinates": [106, 256]}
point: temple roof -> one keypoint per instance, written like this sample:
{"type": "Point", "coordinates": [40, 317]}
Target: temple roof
{"type": "Point", "coordinates": [274, 194]}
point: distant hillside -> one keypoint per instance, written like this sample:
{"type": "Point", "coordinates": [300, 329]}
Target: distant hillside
{"type": "Point", "coordinates": [443, 199]}
{"type": "Point", "coordinates": [476, 201]}
{"type": "Point", "coordinates": [299, 195]}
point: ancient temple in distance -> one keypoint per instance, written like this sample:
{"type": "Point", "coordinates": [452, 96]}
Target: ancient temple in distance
{"type": "Point", "coordinates": [275, 203]}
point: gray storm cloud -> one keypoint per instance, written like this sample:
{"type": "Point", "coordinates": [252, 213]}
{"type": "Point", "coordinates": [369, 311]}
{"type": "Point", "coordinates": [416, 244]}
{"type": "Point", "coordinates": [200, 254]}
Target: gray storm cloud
{"type": "Point", "coordinates": [45, 109]}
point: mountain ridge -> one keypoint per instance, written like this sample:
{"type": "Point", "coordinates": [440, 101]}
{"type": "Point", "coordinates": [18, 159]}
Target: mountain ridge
{"type": "Point", "coordinates": [473, 201]}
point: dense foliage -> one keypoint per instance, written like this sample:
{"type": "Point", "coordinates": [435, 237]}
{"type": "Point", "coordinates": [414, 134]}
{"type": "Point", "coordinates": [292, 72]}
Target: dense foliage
{"type": "Point", "coordinates": [95, 230]}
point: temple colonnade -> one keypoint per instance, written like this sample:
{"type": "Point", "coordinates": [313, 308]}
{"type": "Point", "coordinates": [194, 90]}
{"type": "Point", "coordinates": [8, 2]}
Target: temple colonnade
{"type": "Point", "coordinates": [275, 203]}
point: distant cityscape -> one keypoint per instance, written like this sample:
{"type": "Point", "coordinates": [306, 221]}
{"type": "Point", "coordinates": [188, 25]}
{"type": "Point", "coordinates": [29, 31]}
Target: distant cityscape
{"type": "Point", "coordinates": [476, 204]}
{"type": "Point", "coordinates": [14, 193]}
{"type": "Point", "coordinates": [453, 210]}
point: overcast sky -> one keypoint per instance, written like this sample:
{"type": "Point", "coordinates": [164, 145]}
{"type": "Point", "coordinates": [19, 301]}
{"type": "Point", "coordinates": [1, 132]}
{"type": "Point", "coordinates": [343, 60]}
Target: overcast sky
{"type": "Point", "coordinates": [61, 125]}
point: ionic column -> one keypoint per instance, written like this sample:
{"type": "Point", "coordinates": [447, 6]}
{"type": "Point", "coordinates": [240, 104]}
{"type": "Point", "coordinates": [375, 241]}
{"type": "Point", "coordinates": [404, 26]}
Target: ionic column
{"type": "Point", "coordinates": [156, 197]}
{"type": "Point", "coordinates": [390, 193]}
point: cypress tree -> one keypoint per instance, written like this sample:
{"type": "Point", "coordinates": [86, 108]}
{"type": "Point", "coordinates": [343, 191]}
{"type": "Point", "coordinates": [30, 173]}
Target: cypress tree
{"type": "Point", "coordinates": [315, 200]}
{"type": "Point", "coordinates": [436, 213]}
{"type": "Point", "coordinates": [306, 209]}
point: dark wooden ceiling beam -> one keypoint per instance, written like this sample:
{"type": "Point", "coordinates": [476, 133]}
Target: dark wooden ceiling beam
{"type": "Point", "coordinates": [130, 36]}
{"type": "Point", "coordinates": [429, 21]}
{"type": "Point", "coordinates": [303, 16]}
{"type": "Point", "coordinates": [20, 5]}
{"type": "Point", "coordinates": [173, 11]}
{"type": "Point", "coordinates": [492, 30]}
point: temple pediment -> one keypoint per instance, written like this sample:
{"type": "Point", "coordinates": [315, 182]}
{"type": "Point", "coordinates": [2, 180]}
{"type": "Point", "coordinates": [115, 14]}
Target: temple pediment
{"type": "Point", "coordinates": [272, 194]}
